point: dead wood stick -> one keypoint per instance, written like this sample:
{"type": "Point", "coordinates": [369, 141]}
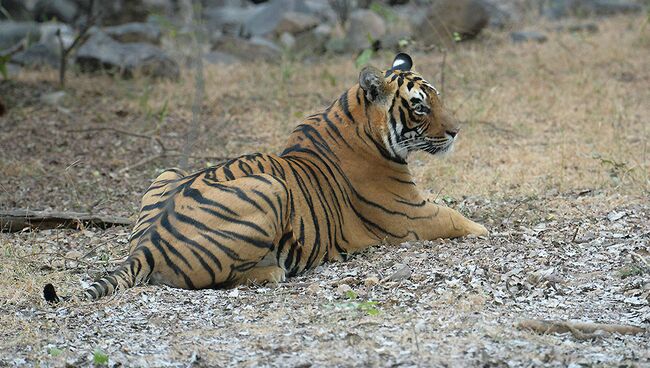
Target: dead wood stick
{"type": "Point", "coordinates": [581, 330]}
{"type": "Point", "coordinates": [16, 220]}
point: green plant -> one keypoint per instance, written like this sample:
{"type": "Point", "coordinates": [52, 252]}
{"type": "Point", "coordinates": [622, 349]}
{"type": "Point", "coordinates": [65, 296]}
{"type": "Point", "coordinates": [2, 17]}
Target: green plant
{"type": "Point", "coordinates": [329, 77]}
{"type": "Point", "coordinates": [383, 11]}
{"type": "Point", "coordinates": [629, 271]}
{"type": "Point", "coordinates": [367, 307]}
{"type": "Point", "coordinates": [99, 358]}
{"type": "Point", "coordinates": [54, 351]}
{"type": "Point", "coordinates": [3, 65]}
{"type": "Point", "coordinates": [364, 58]}
{"type": "Point", "coordinates": [617, 170]}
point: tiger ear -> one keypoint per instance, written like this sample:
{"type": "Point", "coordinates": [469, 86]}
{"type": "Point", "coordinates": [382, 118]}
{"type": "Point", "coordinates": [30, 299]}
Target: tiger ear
{"type": "Point", "coordinates": [402, 62]}
{"type": "Point", "coordinates": [372, 82]}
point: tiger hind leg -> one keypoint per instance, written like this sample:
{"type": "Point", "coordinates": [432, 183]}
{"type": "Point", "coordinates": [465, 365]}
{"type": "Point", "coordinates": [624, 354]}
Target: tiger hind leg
{"type": "Point", "coordinates": [218, 234]}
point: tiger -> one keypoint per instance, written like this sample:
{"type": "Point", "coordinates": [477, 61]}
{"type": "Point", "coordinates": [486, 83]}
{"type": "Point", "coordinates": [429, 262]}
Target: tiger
{"type": "Point", "coordinates": [341, 185]}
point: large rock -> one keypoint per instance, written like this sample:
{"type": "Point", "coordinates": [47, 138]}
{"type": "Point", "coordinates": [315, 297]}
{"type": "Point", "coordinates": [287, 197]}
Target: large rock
{"type": "Point", "coordinates": [563, 8]}
{"type": "Point", "coordinates": [37, 56]}
{"type": "Point", "coordinates": [448, 21]}
{"type": "Point", "coordinates": [317, 8]}
{"type": "Point", "coordinates": [315, 40]}
{"type": "Point", "coordinates": [228, 19]}
{"type": "Point", "coordinates": [135, 32]}
{"type": "Point", "coordinates": [50, 33]}
{"type": "Point", "coordinates": [47, 51]}
{"type": "Point", "coordinates": [268, 16]}
{"type": "Point", "coordinates": [499, 13]}
{"type": "Point", "coordinates": [62, 10]}
{"type": "Point", "coordinates": [13, 32]}
{"type": "Point", "coordinates": [364, 26]}
{"type": "Point", "coordinates": [294, 23]}
{"type": "Point", "coordinates": [256, 48]}
{"type": "Point", "coordinates": [218, 57]}
{"type": "Point", "coordinates": [101, 52]}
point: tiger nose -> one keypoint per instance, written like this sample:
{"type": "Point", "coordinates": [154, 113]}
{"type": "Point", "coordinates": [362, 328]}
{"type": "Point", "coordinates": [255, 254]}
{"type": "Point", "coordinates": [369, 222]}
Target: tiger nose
{"type": "Point", "coordinates": [452, 133]}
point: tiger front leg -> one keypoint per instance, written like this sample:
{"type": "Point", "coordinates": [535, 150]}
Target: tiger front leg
{"type": "Point", "coordinates": [449, 223]}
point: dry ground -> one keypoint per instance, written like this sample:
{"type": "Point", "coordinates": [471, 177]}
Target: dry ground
{"type": "Point", "coordinates": [553, 158]}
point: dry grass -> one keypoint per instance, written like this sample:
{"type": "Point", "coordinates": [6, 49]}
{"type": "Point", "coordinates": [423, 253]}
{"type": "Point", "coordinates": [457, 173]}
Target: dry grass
{"type": "Point", "coordinates": [555, 133]}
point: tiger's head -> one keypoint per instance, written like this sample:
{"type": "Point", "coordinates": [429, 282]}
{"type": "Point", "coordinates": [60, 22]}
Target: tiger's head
{"type": "Point", "coordinates": [406, 111]}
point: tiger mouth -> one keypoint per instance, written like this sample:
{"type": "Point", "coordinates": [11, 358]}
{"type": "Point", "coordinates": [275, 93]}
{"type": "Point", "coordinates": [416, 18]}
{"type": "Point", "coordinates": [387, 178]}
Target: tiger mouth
{"type": "Point", "coordinates": [437, 145]}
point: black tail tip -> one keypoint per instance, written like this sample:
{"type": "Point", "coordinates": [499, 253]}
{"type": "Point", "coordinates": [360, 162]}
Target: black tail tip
{"type": "Point", "coordinates": [49, 293]}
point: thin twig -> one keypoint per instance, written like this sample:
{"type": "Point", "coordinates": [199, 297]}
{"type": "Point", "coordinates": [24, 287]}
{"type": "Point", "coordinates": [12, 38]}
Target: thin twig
{"type": "Point", "coordinates": [442, 72]}
{"type": "Point", "coordinates": [121, 131]}
{"type": "Point", "coordinates": [575, 234]}
{"type": "Point", "coordinates": [79, 40]}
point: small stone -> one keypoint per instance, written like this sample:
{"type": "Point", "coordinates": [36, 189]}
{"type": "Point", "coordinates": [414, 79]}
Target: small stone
{"type": "Point", "coordinates": [403, 272]}
{"type": "Point", "coordinates": [233, 293]}
{"type": "Point", "coordinates": [313, 288]}
{"type": "Point", "coordinates": [58, 263]}
{"type": "Point", "coordinates": [371, 281]}
{"type": "Point", "coordinates": [53, 98]}
{"type": "Point", "coordinates": [343, 289]}
{"type": "Point", "coordinates": [73, 254]}
{"type": "Point", "coordinates": [615, 216]}
{"type": "Point", "coordinates": [287, 40]}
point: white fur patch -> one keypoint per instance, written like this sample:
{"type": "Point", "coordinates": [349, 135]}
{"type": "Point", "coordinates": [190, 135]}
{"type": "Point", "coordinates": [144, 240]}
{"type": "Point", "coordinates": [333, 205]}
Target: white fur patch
{"type": "Point", "coordinates": [398, 62]}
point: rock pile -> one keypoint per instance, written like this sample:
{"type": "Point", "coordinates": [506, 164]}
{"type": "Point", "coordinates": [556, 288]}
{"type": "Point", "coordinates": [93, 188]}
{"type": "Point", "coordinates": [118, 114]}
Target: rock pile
{"type": "Point", "coordinates": [133, 35]}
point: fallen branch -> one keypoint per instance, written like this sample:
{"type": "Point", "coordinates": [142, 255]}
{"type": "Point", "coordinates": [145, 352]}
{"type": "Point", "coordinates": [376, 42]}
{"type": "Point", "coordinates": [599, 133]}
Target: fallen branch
{"type": "Point", "coordinates": [580, 330]}
{"type": "Point", "coordinates": [17, 220]}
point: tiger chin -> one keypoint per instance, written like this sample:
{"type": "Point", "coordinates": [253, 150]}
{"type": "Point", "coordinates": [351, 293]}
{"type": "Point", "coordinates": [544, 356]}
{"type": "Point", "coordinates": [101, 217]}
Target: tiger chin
{"type": "Point", "coordinates": [341, 185]}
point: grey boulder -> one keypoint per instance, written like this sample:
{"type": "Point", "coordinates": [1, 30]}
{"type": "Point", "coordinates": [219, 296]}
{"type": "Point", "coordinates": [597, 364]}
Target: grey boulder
{"type": "Point", "coordinates": [135, 32]}
{"type": "Point", "coordinates": [101, 52]}
{"type": "Point", "coordinates": [12, 33]}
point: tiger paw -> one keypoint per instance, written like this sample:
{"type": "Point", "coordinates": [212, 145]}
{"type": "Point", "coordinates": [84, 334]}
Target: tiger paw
{"type": "Point", "coordinates": [477, 229]}
{"type": "Point", "coordinates": [266, 275]}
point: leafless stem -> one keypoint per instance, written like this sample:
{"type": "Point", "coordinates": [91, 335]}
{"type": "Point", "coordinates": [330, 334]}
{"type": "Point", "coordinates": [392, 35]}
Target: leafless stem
{"type": "Point", "coordinates": [443, 64]}
{"type": "Point", "coordinates": [79, 40]}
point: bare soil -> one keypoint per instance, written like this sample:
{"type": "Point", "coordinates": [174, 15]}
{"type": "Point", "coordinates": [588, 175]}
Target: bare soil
{"type": "Point", "coordinates": [553, 159]}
